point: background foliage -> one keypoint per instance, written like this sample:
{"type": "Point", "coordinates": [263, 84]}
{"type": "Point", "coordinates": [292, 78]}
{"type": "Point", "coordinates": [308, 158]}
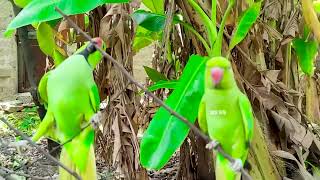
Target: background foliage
{"type": "Point", "coordinates": [273, 47]}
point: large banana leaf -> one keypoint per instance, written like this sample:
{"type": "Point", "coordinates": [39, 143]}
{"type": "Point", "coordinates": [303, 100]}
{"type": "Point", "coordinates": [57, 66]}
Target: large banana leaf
{"type": "Point", "coordinates": [166, 133]}
{"type": "Point", "coordinates": [156, 6]}
{"type": "Point", "coordinates": [306, 52]}
{"type": "Point", "coordinates": [152, 21]}
{"type": "Point", "coordinates": [144, 38]}
{"type": "Point", "coordinates": [41, 11]}
{"type": "Point", "coordinates": [45, 37]}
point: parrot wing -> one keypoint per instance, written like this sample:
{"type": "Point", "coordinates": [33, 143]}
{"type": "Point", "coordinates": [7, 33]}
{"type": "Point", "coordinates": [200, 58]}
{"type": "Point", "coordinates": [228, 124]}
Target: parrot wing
{"type": "Point", "coordinates": [202, 120]}
{"type": "Point", "coordinates": [94, 98]}
{"type": "Point", "coordinates": [46, 127]}
{"type": "Point", "coordinates": [84, 141]}
{"type": "Point", "coordinates": [42, 89]}
{"type": "Point", "coordinates": [247, 117]}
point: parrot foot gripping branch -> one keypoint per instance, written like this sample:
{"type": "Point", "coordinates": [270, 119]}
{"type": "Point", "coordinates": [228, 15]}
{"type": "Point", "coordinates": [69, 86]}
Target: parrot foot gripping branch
{"type": "Point", "coordinates": [236, 165]}
{"type": "Point", "coordinates": [212, 145]}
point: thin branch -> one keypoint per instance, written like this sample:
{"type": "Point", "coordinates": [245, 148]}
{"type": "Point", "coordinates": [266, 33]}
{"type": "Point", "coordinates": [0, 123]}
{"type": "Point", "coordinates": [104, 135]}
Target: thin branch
{"type": "Point", "coordinates": [40, 149]}
{"type": "Point", "coordinates": [156, 99]}
{"type": "Point", "coordinates": [8, 172]}
{"type": "Point", "coordinates": [54, 149]}
{"type": "Point", "coordinates": [167, 29]}
{"type": "Point", "coordinates": [114, 97]}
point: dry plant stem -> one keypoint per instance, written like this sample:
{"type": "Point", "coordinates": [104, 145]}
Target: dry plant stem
{"type": "Point", "coordinates": [167, 29]}
{"type": "Point", "coordinates": [156, 99]}
{"type": "Point", "coordinates": [312, 105]}
{"type": "Point", "coordinates": [114, 97]}
{"type": "Point", "coordinates": [40, 149]}
{"type": "Point", "coordinates": [311, 18]}
{"type": "Point", "coordinates": [8, 171]}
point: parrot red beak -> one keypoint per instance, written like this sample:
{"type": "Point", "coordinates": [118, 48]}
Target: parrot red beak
{"type": "Point", "coordinates": [98, 41]}
{"type": "Point", "coordinates": [216, 75]}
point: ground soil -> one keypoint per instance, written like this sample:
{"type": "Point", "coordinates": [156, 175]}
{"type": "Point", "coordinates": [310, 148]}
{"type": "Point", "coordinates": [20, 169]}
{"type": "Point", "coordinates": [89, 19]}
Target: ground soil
{"type": "Point", "coordinates": [10, 158]}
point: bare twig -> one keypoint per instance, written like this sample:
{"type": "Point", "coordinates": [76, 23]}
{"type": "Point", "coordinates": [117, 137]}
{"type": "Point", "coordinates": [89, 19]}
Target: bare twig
{"type": "Point", "coordinates": [8, 172]}
{"type": "Point", "coordinates": [40, 149]}
{"type": "Point", "coordinates": [167, 28]}
{"type": "Point", "coordinates": [114, 97]}
{"type": "Point", "coordinates": [54, 149]}
{"type": "Point", "coordinates": [156, 99]}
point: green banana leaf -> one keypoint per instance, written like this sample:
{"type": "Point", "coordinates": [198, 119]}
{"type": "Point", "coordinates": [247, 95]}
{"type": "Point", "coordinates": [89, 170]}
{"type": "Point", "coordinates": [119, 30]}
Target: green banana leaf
{"type": "Point", "coordinates": [45, 37]}
{"type": "Point", "coordinates": [156, 6]}
{"type": "Point", "coordinates": [154, 75]}
{"type": "Point", "coordinates": [248, 19]}
{"type": "Point", "coordinates": [306, 52]}
{"type": "Point", "coordinates": [166, 133]}
{"type": "Point", "coordinates": [168, 84]}
{"type": "Point", "coordinates": [144, 38]}
{"type": "Point", "coordinates": [152, 21]}
{"type": "Point", "coordinates": [41, 11]}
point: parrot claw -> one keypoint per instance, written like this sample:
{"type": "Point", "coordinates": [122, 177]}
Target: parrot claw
{"type": "Point", "coordinates": [212, 145]}
{"type": "Point", "coordinates": [237, 165]}
{"type": "Point", "coordinates": [96, 120]}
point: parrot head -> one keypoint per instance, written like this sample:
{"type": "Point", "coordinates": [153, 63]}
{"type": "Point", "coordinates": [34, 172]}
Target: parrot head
{"type": "Point", "coordinates": [219, 74]}
{"type": "Point", "coordinates": [89, 51]}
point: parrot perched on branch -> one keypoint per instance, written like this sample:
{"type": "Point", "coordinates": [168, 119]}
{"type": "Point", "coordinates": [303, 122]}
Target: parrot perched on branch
{"type": "Point", "coordinates": [71, 97]}
{"type": "Point", "coordinates": [225, 114]}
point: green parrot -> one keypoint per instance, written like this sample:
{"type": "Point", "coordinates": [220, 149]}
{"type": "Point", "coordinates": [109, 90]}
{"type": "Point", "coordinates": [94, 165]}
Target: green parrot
{"type": "Point", "coordinates": [225, 114]}
{"type": "Point", "coordinates": [71, 97]}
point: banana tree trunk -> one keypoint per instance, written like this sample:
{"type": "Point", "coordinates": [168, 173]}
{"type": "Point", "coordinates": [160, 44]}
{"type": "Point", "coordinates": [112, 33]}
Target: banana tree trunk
{"type": "Point", "coordinates": [118, 140]}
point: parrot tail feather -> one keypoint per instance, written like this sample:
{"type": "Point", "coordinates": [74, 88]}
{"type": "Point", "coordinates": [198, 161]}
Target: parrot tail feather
{"type": "Point", "coordinates": [223, 169]}
{"type": "Point", "coordinates": [88, 174]}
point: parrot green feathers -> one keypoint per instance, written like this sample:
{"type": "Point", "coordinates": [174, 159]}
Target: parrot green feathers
{"type": "Point", "coordinates": [43, 91]}
{"type": "Point", "coordinates": [71, 97]}
{"type": "Point", "coordinates": [225, 114]}
{"type": "Point", "coordinates": [95, 56]}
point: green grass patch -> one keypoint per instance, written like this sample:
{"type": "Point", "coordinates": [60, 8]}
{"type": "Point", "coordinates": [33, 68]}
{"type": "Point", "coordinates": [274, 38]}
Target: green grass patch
{"type": "Point", "coordinates": [26, 121]}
